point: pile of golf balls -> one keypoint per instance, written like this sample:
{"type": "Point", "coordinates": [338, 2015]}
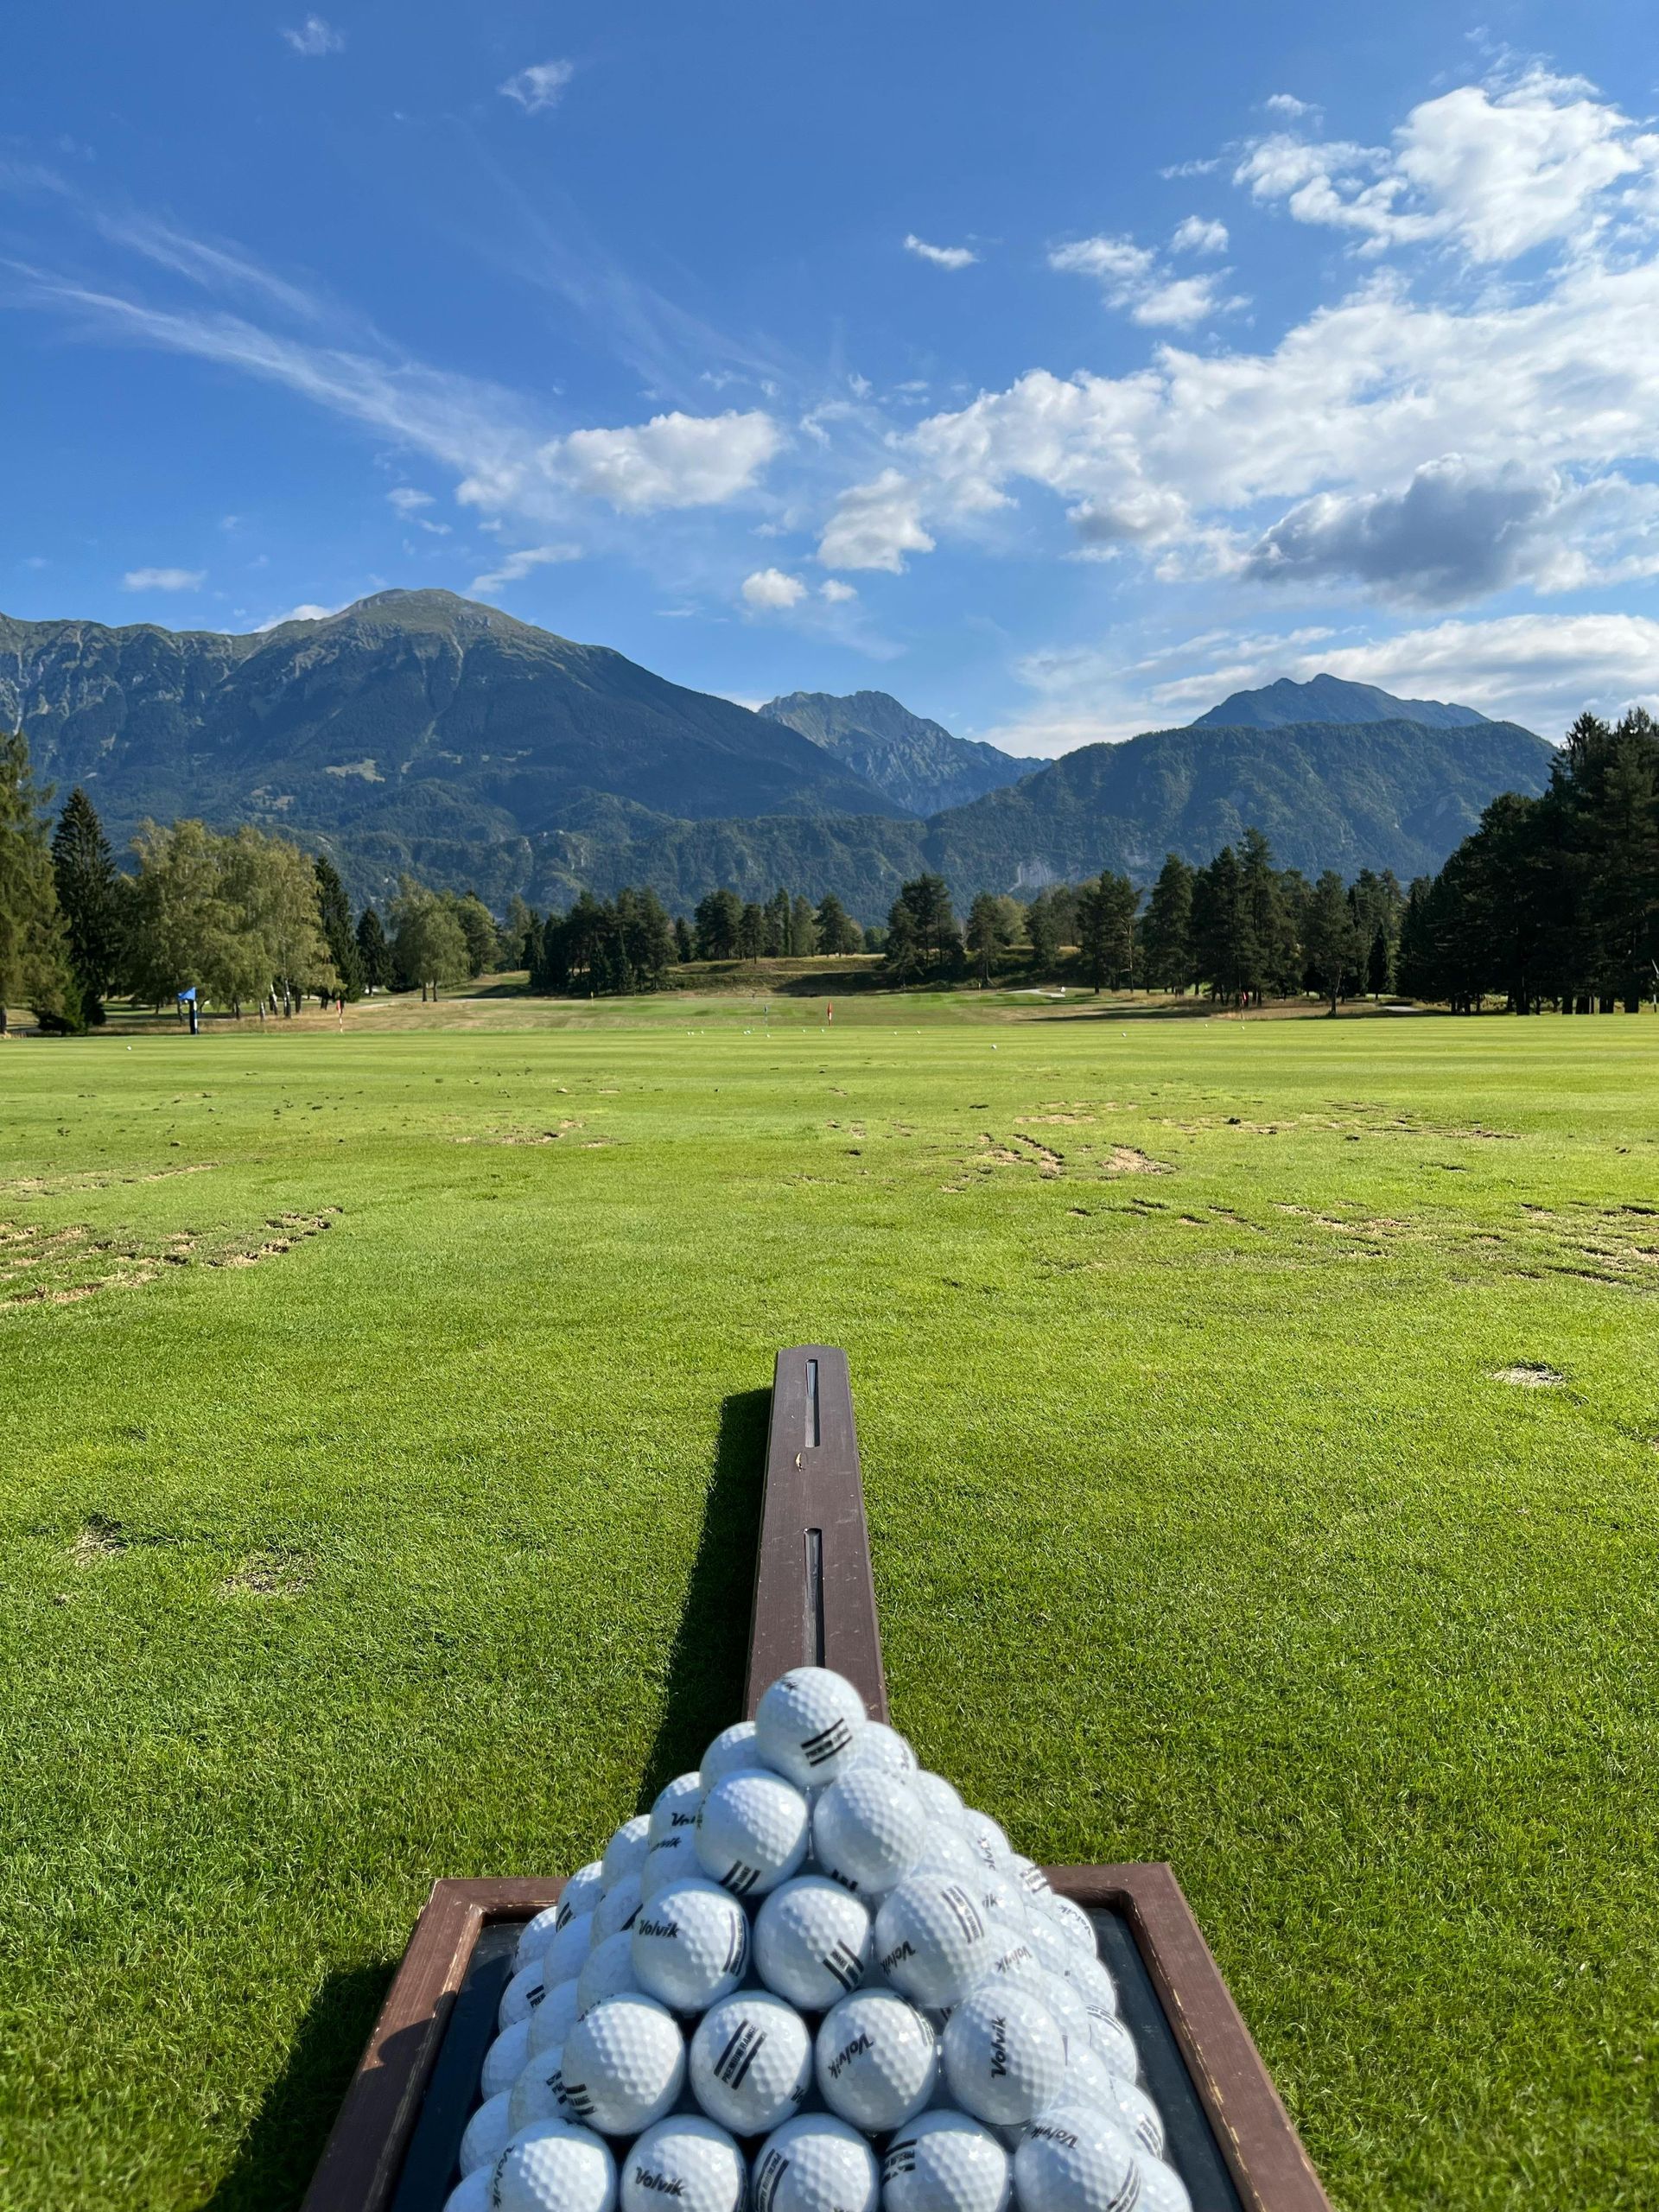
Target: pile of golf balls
{"type": "Point", "coordinates": [813, 1979]}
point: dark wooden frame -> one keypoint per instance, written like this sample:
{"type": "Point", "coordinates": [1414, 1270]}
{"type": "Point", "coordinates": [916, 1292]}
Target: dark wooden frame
{"type": "Point", "coordinates": [815, 1604]}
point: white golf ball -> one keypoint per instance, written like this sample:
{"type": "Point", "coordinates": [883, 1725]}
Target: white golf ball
{"type": "Point", "coordinates": [675, 1806]}
{"type": "Point", "coordinates": [583, 1892]}
{"type": "Point", "coordinates": [608, 1971]}
{"type": "Point", "coordinates": [806, 1724]}
{"type": "Point", "coordinates": [690, 1946]}
{"type": "Point", "coordinates": [1136, 2114]}
{"type": "Point", "coordinates": [625, 1853]}
{"type": "Point", "coordinates": [1015, 1961]}
{"type": "Point", "coordinates": [1076, 2164]}
{"type": "Point", "coordinates": [671, 1858]}
{"type": "Point", "coordinates": [880, 1746]}
{"type": "Point", "coordinates": [535, 1936]}
{"type": "Point", "coordinates": [486, 2133]}
{"type": "Point", "coordinates": [522, 1995]}
{"type": "Point", "coordinates": [1004, 2054]}
{"type": "Point", "coordinates": [877, 2061]}
{"type": "Point", "coordinates": [551, 2167]}
{"type": "Point", "coordinates": [815, 2164]}
{"type": "Point", "coordinates": [1050, 1941]}
{"type": "Point", "coordinates": [624, 2065]}
{"type": "Point", "coordinates": [944, 2162]}
{"type": "Point", "coordinates": [1074, 1923]}
{"type": "Point", "coordinates": [751, 2062]}
{"type": "Point", "coordinates": [538, 2092]}
{"type": "Point", "coordinates": [946, 1850]}
{"type": "Point", "coordinates": [570, 1948]}
{"type": "Point", "coordinates": [1030, 1876]}
{"type": "Point", "coordinates": [618, 1908]}
{"type": "Point", "coordinates": [554, 2018]}
{"type": "Point", "coordinates": [869, 1829]}
{"type": "Point", "coordinates": [1111, 2041]}
{"type": "Point", "coordinates": [931, 1939]}
{"type": "Point", "coordinates": [988, 1838]}
{"type": "Point", "coordinates": [471, 2194]}
{"type": "Point", "coordinates": [752, 1832]}
{"type": "Point", "coordinates": [1065, 2002]}
{"type": "Point", "coordinates": [813, 1942]}
{"type": "Point", "coordinates": [1162, 2189]}
{"type": "Point", "coordinates": [685, 2161]}
{"type": "Point", "coordinates": [1099, 1990]}
{"type": "Point", "coordinates": [936, 1793]}
{"type": "Point", "coordinates": [734, 1748]}
{"type": "Point", "coordinates": [1000, 1896]}
{"type": "Point", "coordinates": [506, 2059]}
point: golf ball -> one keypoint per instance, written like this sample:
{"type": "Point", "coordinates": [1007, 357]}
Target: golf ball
{"type": "Point", "coordinates": [486, 2133]}
{"type": "Point", "coordinates": [1074, 1923]}
{"type": "Point", "coordinates": [608, 1971]}
{"type": "Point", "coordinates": [690, 1946]}
{"type": "Point", "coordinates": [813, 1942]}
{"type": "Point", "coordinates": [583, 1892]}
{"type": "Point", "coordinates": [1076, 2164]}
{"type": "Point", "coordinates": [506, 2059]}
{"type": "Point", "coordinates": [877, 2061]}
{"type": "Point", "coordinates": [1001, 1898]}
{"type": "Point", "coordinates": [1004, 2054]}
{"type": "Point", "coordinates": [946, 1850]}
{"type": "Point", "coordinates": [554, 2018]}
{"type": "Point", "coordinates": [675, 1807]}
{"type": "Point", "coordinates": [1016, 1961]}
{"type": "Point", "coordinates": [522, 1995]}
{"type": "Point", "coordinates": [944, 2162]}
{"type": "Point", "coordinates": [538, 2092]}
{"type": "Point", "coordinates": [1162, 2189]}
{"type": "Point", "coordinates": [807, 1723]}
{"type": "Point", "coordinates": [936, 1793]}
{"type": "Point", "coordinates": [751, 2062]}
{"type": "Point", "coordinates": [1065, 2002]}
{"type": "Point", "coordinates": [535, 1936]}
{"type": "Point", "coordinates": [1111, 2041]}
{"type": "Point", "coordinates": [815, 2164]}
{"type": "Point", "coordinates": [625, 1853]}
{"type": "Point", "coordinates": [565, 1954]}
{"type": "Point", "coordinates": [1099, 1990]}
{"type": "Point", "coordinates": [752, 1832]}
{"type": "Point", "coordinates": [931, 1939]}
{"type": "Point", "coordinates": [471, 2194]}
{"type": "Point", "coordinates": [618, 1908]}
{"type": "Point", "coordinates": [623, 2065]}
{"type": "Point", "coordinates": [671, 1858]}
{"type": "Point", "coordinates": [685, 2161]}
{"type": "Point", "coordinates": [987, 1839]}
{"type": "Point", "coordinates": [1029, 1875]}
{"type": "Point", "coordinates": [868, 1830]}
{"type": "Point", "coordinates": [732, 1748]}
{"type": "Point", "coordinates": [551, 2167]}
{"type": "Point", "coordinates": [880, 1746]}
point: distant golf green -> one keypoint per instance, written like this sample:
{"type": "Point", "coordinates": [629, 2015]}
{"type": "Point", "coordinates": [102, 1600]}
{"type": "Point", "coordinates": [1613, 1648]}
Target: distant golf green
{"type": "Point", "coordinates": [1259, 1427]}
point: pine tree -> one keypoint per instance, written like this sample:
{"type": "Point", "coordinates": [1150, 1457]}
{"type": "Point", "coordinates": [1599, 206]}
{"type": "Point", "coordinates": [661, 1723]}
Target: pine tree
{"type": "Point", "coordinates": [373, 952]}
{"type": "Point", "coordinates": [336, 913]}
{"type": "Point", "coordinates": [34, 967]}
{"type": "Point", "coordinates": [1331, 942]}
{"type": "Point", "coordinates": [834, 925]}
{"type": "Point", "coordinates": [683, 948]}
{"type": "Point", "coordinates": [1377, 964]}
{"type": "Point", "coordinates": [1166, 931]}
{"type": "Point", "coordinates": [90, 896]}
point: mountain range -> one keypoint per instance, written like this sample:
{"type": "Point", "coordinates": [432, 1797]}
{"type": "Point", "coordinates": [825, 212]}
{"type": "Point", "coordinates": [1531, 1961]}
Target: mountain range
{"type": "Point", "coordinates": [419, 730]}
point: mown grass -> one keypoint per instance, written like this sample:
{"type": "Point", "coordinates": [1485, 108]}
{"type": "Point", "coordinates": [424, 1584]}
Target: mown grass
{"type": "Point", "coordinates": [336, 1559]}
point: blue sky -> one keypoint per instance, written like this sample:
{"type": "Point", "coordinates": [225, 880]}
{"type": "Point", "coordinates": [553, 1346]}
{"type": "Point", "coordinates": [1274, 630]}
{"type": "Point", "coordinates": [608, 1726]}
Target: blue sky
{"type": "Point", "coordinates": [1057, 369]}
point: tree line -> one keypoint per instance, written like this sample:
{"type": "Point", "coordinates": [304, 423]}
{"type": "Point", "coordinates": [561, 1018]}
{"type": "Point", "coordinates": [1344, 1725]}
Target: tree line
{"type": "Point", "coordinates": [1554, 900]}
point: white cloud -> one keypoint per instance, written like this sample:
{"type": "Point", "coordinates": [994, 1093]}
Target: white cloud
{"type": "Point", "coordinates": [1494, 172]}
{"type": "Point", "coordinates": [942, 257]}
{"type": "Point", "coordinates": [407, 500]}
{"type": "Point", "coordinates": [1286, 103]}
{"type": "Point", "coordinates": [163, 579]}
{"type": "Point", "coordinates": [1199, 234]}
{"type": "Point", "coordinates": [315, 37]}
{"type": "Point", "coordinates": [770, 588]}
{"type": "Point", "coordinates": [540, 86]}
{"type": "Point", "coordinates": [875, 524]}
{"type": "Point", "coordinates": [673, 460]}
{"type": "Point", "coordinates": [1131, 276]}
{"type": "Point", "coordinates": [515, 567]}
{"type": "Point", "coordinates": [835, 592]}
{"type": "Point", "coordinates": [307, 611]}
{"type": "Point", "coordinates": [1540, 669]}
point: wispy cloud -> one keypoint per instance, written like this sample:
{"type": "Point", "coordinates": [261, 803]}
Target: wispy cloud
{"type": "Point", "coordinates": [307, 611]}
{"type": "Point", "coordinates": [538, 87]}
{"type": "Point", "coordinates": [407, 500]}
{"type": "Point", "coordinates": [517, 566]}
{"type": "Point", "coordinates": [163, 579]}
{"type": "Point", "coordinates": [942, 257]}
{"type": "Point", "coordinates": [315, 37]}
{"type": "Point", "coordinates": [772, 591]}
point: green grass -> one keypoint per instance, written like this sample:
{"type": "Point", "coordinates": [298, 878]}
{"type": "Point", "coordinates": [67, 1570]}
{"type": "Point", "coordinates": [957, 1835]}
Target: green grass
{"type": "Point", "coordinates": [1204, 1528]}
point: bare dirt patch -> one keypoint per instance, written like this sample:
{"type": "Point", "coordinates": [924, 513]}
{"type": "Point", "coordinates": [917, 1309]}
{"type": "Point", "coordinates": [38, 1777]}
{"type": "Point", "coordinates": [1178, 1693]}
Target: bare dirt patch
{"type": "Point", "coordinates": [270, 1574]}
{"type": "Point", "coordinates": [61, 1267]}
{"type": "Point", "coordinates": [1530, 1375]}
